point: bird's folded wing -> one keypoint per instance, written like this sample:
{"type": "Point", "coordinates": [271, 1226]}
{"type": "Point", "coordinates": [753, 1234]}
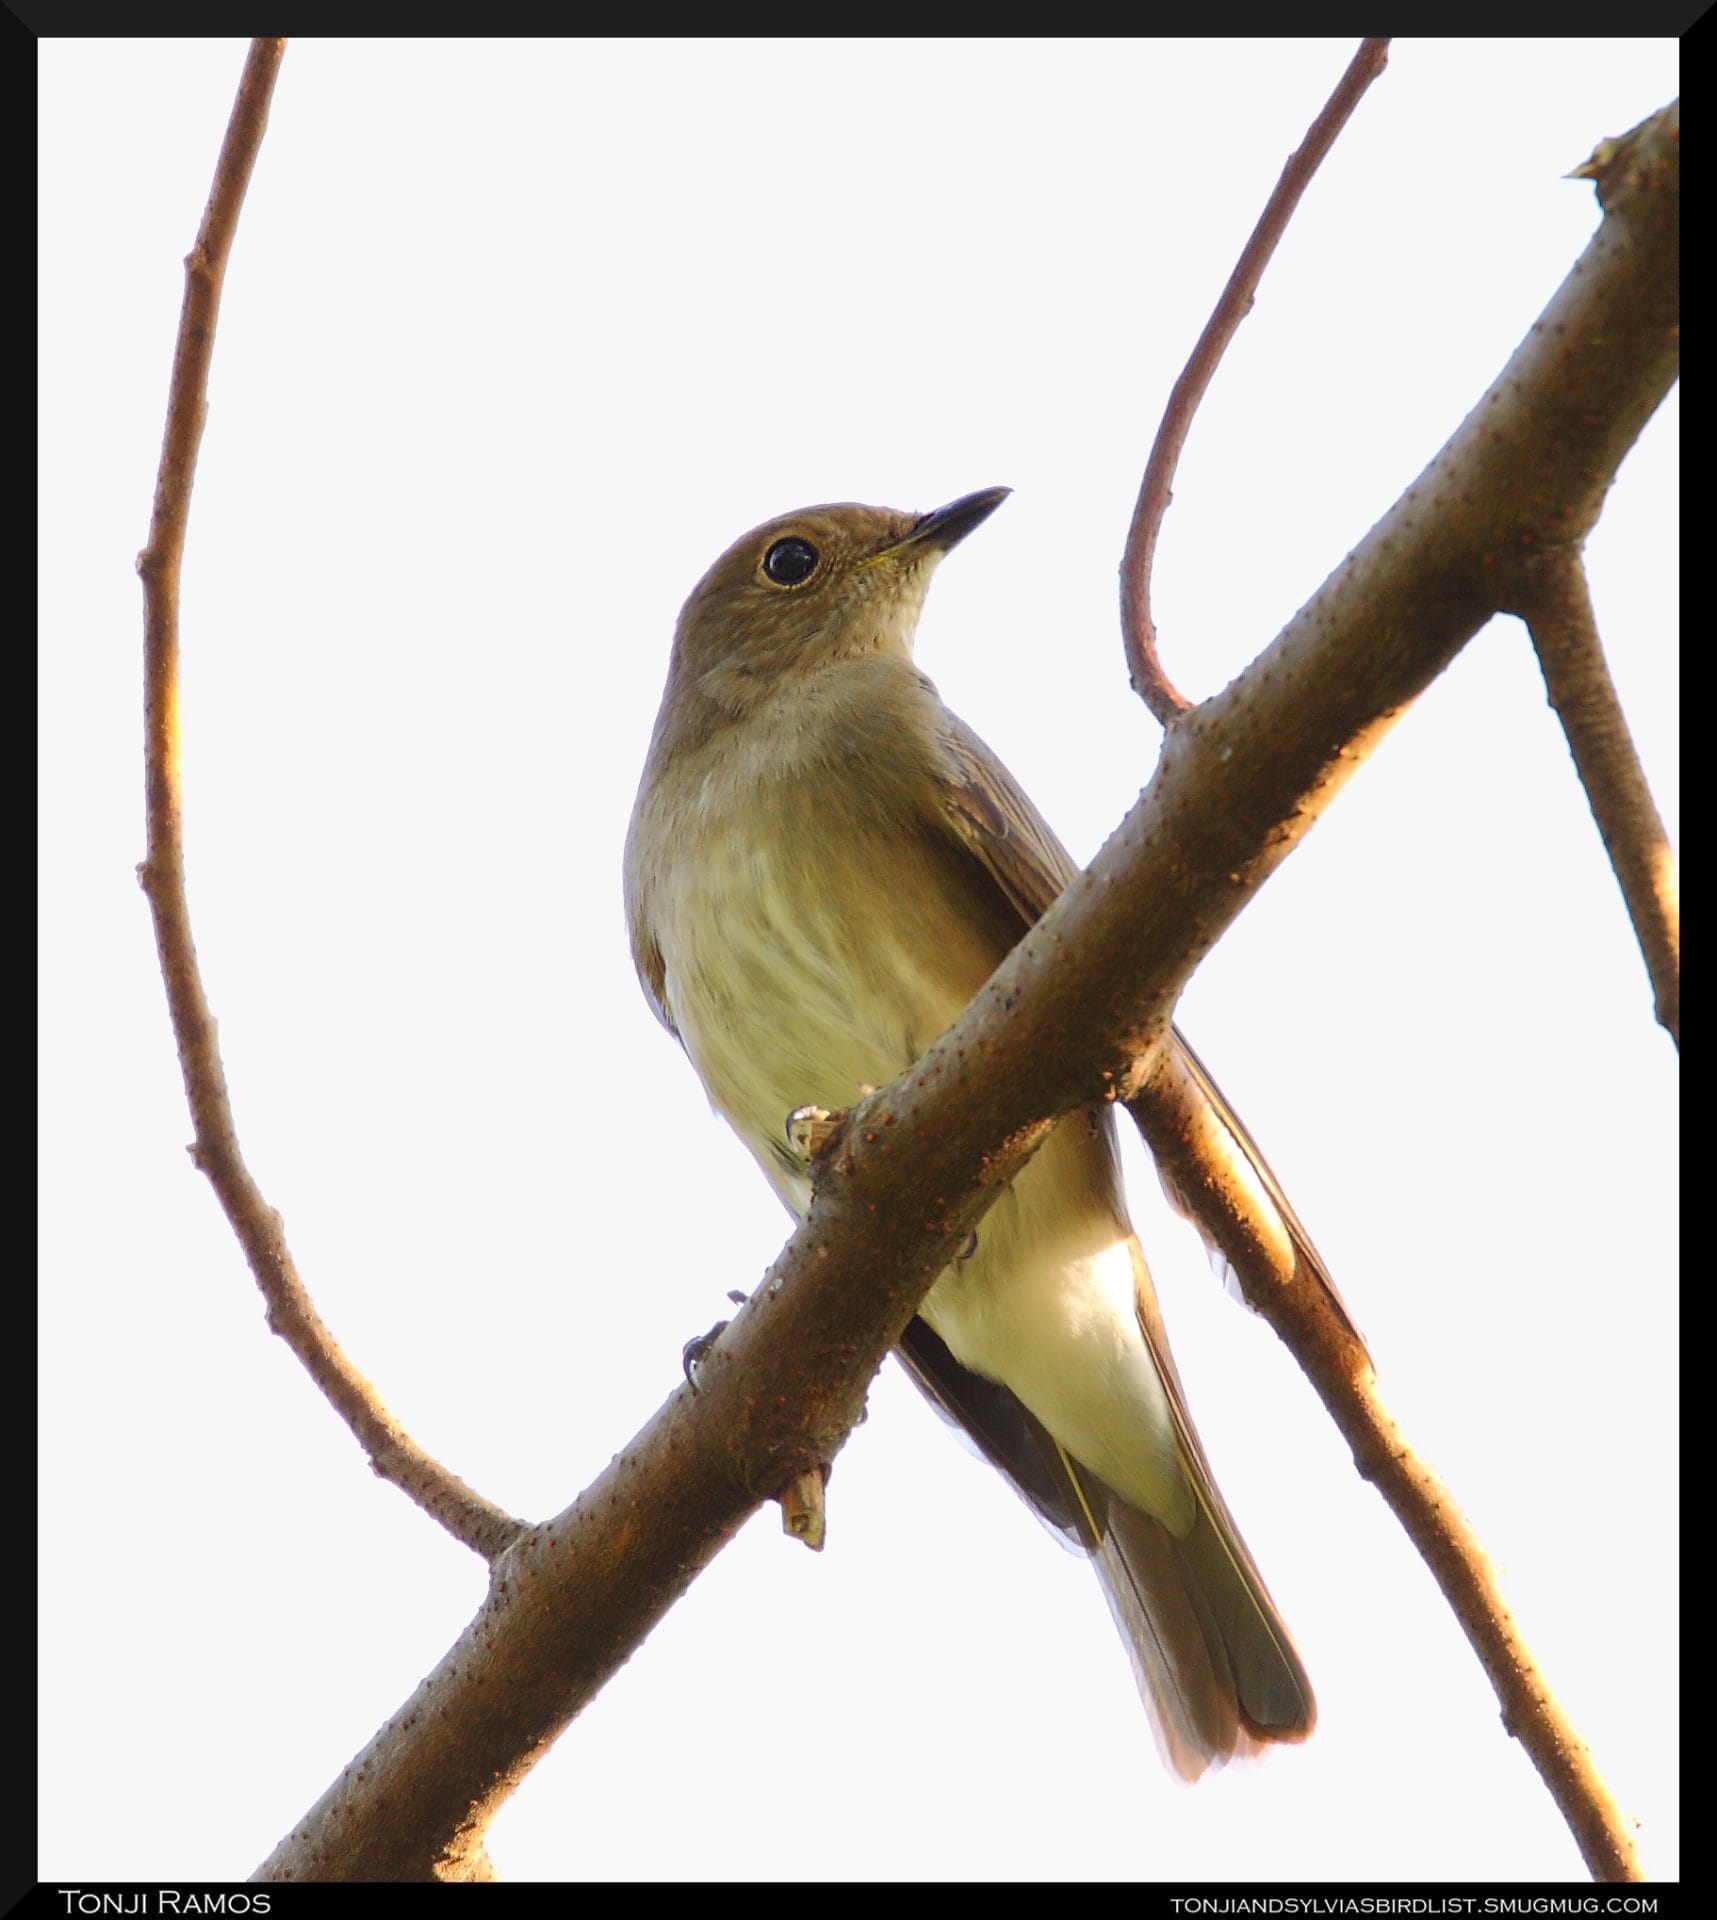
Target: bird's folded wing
{"type": "Point", "coordinates": [996, 822]}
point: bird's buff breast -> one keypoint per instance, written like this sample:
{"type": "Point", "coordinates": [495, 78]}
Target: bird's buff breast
{"type": "Point", "coordinates": [805, 962]}
{"type": "Point", "coordinates": [820, 952]}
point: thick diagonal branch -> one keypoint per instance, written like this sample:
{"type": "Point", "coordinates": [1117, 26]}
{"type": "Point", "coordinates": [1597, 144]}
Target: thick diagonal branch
{"type": "Point", "coordinates": [1077, 1011]}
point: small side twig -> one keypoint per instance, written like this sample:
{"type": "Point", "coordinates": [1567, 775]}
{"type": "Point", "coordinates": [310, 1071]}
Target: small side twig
{"type": "Point", "coordinates": [1558, 614]}
{"type": "Point", "coordinates": [803, 1514]}
{"type": "Point", "coordinates": [393, 1453]}
{"type": "Point", "coordinates": [1138, 630]}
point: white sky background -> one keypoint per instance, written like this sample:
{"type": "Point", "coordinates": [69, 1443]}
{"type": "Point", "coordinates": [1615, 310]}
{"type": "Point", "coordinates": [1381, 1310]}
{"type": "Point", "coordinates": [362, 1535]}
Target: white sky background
{"type": "Point", "coordinates": [516, 339]}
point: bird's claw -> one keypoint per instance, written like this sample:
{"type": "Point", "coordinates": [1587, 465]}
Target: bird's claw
{"type": "Point", "coordinates": [810, 1129]}
{"type": "Point", "coordinates": [692, 1353]}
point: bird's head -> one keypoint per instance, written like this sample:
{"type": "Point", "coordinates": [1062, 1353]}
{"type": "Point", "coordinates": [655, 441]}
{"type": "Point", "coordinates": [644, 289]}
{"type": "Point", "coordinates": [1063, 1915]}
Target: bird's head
{"type": "Point", "coordinates": [820, 585]}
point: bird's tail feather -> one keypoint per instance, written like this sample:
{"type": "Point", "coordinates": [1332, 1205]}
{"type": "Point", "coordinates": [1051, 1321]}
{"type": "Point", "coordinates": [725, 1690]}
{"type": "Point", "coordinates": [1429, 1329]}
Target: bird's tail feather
{"type": "Point", "coordinates": [1215, 1667]}
{"type": "Point", "coordinates": [1214, 1664]}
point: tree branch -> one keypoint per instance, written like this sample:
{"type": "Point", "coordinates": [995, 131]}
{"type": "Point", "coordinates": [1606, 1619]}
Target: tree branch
{"type": "Point", "coordinates": [1138, 630]}
{"type": "Point", "coordinates": [215, 1150]}
{"type": "Point", "coordinates": [1278, 1270]}
{"type": "Point", "coordinates": [1076, 1012]}
{"type": "Point", "coordinates": [1558, 614]}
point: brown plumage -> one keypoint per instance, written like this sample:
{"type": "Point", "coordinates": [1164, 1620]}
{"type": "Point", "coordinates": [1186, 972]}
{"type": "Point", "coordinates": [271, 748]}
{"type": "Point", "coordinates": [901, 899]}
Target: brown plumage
{"type": "Point", "coordinates": [824, 865]}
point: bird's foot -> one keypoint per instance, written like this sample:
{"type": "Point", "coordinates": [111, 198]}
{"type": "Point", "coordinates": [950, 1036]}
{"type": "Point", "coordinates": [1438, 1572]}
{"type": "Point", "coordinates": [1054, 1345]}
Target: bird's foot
{"type": "Point", "coordinates": [810, 1129]}
{"type": "Point", "coordinates": [692, 1353]}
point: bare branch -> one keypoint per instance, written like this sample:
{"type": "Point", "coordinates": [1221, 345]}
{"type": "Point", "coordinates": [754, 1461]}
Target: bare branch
{"type": "Point", "coordinates": [1138, 630]}
{"type": "Point", "coordinates": [1559, 616]}
{"type": "Point", "coordinates": [1077, 1011]}
{"type": "Point", "coordinates": [1283, 1281]}
{"type": "Point", "coordinates": [393, 1453]}
{"type": "Point", "coordinates": [1278, 1269]}
{"type": "Point", "coordinates": [1530, 1712]}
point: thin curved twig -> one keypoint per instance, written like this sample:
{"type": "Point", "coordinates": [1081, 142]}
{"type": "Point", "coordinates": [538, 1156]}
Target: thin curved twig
{"type": "Point", "coordinates": [1138, 630]}
{"type": "Point", "coordinates": [1558, 615]}
{"type": "Point", "coordinates": [393, 1453]}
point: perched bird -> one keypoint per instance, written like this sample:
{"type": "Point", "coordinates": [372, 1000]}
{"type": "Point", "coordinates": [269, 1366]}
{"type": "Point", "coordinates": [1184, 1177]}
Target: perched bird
{"type": "Point", "coordinates": [824, 865]}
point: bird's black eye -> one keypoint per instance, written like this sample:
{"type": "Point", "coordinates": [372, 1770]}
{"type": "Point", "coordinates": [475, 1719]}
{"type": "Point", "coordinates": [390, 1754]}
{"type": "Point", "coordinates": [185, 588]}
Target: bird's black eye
{"type": "Point", "coordinates": [791, 560]}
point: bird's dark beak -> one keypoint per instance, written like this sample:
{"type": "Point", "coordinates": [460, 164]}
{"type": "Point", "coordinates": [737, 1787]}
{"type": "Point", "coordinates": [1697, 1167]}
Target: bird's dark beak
{"type": "Point", "coordinates": [949, 525]}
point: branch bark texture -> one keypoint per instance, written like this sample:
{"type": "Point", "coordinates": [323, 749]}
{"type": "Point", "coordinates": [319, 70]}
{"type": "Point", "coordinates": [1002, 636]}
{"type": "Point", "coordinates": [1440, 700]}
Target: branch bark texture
{"type": "Point", "coordinates": [1076, 1012]}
